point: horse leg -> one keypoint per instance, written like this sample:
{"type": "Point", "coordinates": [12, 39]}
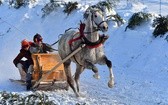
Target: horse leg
{"type": "Point", "coordinates": [109, 64]}
{"type": "Point", "coordinates": [79, 70]}
{"type": "Point", "coordinates": [69, 76]}
{"type": "Point", "coordinates": [90, 65]}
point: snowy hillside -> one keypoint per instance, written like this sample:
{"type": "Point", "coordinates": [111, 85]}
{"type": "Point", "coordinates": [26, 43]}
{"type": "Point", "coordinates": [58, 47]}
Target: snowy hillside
{"type": "Point", "coordinates": [140, 61]}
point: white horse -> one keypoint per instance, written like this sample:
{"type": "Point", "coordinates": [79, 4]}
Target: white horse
{"type": "Point", "coordinates": [92, 54]}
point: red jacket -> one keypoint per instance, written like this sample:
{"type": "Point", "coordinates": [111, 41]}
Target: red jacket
{"type": "Point", "coordinates": [23, 53]}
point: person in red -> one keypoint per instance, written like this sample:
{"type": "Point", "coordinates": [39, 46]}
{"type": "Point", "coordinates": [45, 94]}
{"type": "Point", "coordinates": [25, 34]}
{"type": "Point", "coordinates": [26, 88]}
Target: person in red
{"type": "Point", "coordinates": [25, 65]}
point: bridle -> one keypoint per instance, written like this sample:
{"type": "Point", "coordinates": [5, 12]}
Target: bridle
{"type": "Point", "coordinates": [82, 33]}
{"type": "Point", "coordinates": [97, 28]}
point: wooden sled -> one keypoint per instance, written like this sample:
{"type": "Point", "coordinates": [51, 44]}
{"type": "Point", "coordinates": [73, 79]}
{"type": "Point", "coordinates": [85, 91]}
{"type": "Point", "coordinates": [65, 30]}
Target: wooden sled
{"type": "Point", "coordinates": [48, 68]}
{"type": "Point", "coordinates": [43, 63]}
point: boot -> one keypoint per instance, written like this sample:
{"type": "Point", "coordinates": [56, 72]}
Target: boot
{"type": "Point", "coordinates": [29, 77]}
{"type": "Point", "coordinates": [28, 81]}
{"type": "Point", "coordinates": [28, 86]}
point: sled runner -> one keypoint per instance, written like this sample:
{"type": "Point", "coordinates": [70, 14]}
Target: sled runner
{"type": "Point", "coordinates": [18, 81]}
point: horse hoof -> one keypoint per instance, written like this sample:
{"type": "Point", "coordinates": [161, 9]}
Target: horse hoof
{"type": "Point", "coordinates": [111, 84]}
{"type": "Point", "coordinates": [96, 75]}
{"type": "Point", "coordinates": [66, 87]}
{"type": "Point", "coordinates": [82, 96]}
{"type": "Point", "coordinates": [77, 95]}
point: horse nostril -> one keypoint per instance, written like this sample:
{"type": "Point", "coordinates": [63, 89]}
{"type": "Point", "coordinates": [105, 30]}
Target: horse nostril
{"type": "Point", "coordinates": [105, 28]}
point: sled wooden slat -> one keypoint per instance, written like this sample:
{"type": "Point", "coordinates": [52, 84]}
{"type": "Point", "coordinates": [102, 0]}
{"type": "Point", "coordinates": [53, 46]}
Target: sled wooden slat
{"type": "Point", "coordinates": [44, 62]}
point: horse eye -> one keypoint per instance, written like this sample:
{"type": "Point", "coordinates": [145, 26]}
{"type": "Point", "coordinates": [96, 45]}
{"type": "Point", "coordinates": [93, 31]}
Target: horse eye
{"type": "Point", "coordinates": [95, 15]}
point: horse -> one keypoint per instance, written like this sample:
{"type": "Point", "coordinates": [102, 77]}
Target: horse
{"type": "Point", "coordinates": [91, 54]}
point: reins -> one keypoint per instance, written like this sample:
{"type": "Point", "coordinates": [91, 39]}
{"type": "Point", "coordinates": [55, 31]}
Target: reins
{"type": "Point", "coordinates": [61, 35]}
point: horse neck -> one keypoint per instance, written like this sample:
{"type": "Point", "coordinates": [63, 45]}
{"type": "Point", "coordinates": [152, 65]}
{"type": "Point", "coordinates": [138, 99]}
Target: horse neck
{"type": "Point", "coordinates": [91, 35]}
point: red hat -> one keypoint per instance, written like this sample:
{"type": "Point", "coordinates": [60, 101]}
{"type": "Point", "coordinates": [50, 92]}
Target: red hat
{"type": "Point", "coordinates": [25, 43]}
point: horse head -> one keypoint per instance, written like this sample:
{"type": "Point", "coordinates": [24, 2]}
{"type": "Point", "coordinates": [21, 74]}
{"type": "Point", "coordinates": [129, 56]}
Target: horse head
{"type": "Point", "coordinates": [96, 17]}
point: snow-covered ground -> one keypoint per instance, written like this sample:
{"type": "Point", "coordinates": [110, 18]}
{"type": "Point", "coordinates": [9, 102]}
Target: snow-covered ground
{"type": "Point", "coordinates": [140, 61]}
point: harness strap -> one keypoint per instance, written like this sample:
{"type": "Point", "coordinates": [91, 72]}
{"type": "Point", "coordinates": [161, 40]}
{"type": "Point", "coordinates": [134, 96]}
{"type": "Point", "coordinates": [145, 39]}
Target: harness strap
{"type": "Point", "coordinates": [81, 31]}
{"type": "Point", "coordinates": [73, 40]}
{"type": "Point", "coordinates": [96, 44]}
{"type": "Point", "coordinates": [75, 57]}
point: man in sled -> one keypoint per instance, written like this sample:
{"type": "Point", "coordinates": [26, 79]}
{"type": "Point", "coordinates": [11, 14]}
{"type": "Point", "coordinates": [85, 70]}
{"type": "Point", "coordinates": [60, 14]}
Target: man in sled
{"type": "Point", "coordinates": [25, 66]}
{"type": "Point", "coordinates": [38, 46]}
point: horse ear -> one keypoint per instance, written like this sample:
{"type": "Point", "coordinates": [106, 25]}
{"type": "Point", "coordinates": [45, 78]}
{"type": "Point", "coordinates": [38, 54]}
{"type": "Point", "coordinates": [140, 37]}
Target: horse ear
{"type": "Point", "coordinates": [86, 14]}
{"type": "Point", "coordinates": [92, 7]}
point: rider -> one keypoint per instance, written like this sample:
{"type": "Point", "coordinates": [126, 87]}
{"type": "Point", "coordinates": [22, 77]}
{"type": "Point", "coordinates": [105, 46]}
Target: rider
{"type": "Point", "coordinates": [38, 46]}
{"type": "Point", "coordinates": [25, 66]}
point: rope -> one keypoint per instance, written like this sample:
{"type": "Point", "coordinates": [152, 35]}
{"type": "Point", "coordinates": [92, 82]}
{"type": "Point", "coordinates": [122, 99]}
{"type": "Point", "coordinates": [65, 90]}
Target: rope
{"type": "Point", "coordinates": [13, 26]}
{"type": "Point", "coordinates": [160, 7]}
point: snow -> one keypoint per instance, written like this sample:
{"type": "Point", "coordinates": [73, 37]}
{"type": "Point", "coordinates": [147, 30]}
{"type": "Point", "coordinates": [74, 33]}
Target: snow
{"type": "Point", "coordinates": [139, 60]}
